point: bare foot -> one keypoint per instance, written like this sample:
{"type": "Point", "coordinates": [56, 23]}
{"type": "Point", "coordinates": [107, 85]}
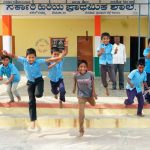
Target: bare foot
{"type": "Point", "coordinates": [55, 96]}
{"type": "Point", "coordinates": [11, 101]}
{"type": "Point", "coordinates": [81, 134]}
{"type": "Point", "coordinates": [60, 104]}
{"type": "Point", "coordinates": [19, 99]}
{"type": "Point", "coordinates": [107, 91]}
{"type": "Point", "coordinates": [33, 124]}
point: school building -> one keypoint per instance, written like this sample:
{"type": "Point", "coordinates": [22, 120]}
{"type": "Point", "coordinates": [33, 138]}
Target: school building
{"type": "Point", "coordinates": [20, 30]}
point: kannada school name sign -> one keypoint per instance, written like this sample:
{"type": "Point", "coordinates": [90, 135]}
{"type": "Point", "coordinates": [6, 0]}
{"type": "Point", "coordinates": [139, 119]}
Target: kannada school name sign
{"type": "Point", "coordinates": [28, 8]}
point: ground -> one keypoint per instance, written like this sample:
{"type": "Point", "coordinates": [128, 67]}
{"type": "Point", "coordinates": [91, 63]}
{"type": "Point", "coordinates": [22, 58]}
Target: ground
{"type": "Point", "coordinates": [66, 139]}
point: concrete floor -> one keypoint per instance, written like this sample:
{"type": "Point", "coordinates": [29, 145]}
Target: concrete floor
{"type": "Point", "coordinates": [63, 139]}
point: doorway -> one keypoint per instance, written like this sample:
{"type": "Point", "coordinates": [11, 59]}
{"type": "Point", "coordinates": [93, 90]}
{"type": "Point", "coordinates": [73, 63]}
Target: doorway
{"type": "Point", "coordinates": [134, 50]}
{"type": "Point", "coordinates": [85, 50]}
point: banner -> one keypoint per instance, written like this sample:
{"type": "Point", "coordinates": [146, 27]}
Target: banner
{"type": "Point", "coordinates": [69, 7]}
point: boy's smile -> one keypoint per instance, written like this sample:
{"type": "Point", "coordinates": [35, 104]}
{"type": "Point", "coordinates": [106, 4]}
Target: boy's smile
{"type": "Point", "coordinates": [105, 40]}
{"type": "Point", "coordinates": [82, 68]}
{"type": "Point", "coordinates": [31, 58]}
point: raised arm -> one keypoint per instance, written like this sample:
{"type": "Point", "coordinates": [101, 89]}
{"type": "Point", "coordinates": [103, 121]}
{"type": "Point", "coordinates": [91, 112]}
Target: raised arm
{"type": "Point", "coordinates": [9, 54]}
{"type": "Point", "coordinates": [52, 65]}
{"type": "Point", "coordinates": [65, 51]}
{"type": "Point", "coordinates": [54, 59]}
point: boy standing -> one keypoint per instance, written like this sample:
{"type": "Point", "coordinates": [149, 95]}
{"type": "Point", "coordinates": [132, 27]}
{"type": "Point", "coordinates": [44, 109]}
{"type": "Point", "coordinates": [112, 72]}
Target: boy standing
{"type": "Point", "coordinates": [135, 80]}
{"type": "Point", "coordinates": [104, 52]}
{"type": "Point", "coordinates": [13, 76]}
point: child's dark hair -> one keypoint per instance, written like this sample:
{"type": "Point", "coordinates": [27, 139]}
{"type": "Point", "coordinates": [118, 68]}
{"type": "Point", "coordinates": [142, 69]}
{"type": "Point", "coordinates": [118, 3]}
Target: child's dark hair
{"type": "Point", "coordinates": [141, 62]}
{"type": "Point", "coordinates": [55, 49]}
{"type": "Point", "coordinates": [5, 56]}
{"type": "Point", "coordinates": [82, 62]}
{"type": "Point", "coordinates": [31, 51]}
{"type": "Point", "coordinates": [105, 34]}
{"type": "Point", "coordinates": [148, 40]}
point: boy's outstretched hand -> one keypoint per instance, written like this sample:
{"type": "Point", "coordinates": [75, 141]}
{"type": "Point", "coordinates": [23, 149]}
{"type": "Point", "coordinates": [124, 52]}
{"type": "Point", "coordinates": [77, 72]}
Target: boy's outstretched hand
{"type": "Point", "coordinates": [66, 42]}
{"type": "Point", "coordinates": [4, 52]}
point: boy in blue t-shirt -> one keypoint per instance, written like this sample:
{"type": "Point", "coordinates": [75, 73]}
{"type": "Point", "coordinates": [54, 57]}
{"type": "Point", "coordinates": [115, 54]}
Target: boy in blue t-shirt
{"type": "Point", "coordinates": [135, 80]}
{"type": "Point", "coordinates": [13, 76]}
{"type": "Point", "coordinates": [55, 74]}
{"type": "Point", "coordinates": [35, 81]}
{"type": "Point", "coordinates": [104, 52]}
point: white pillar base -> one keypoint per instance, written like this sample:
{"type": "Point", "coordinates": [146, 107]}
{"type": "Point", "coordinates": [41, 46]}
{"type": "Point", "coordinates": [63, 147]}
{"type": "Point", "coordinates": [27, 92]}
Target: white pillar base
{"type": "Point", "coordinates": [7, 43]}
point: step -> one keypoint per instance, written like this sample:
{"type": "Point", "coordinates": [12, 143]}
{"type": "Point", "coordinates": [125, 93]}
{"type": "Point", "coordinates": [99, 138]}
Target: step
{"type": "Point", "coordinates": [53, 109]}
{"type": "Point", "coordinates": [16, 116]}
{"type": "Point", "coordinates": [71, 121]}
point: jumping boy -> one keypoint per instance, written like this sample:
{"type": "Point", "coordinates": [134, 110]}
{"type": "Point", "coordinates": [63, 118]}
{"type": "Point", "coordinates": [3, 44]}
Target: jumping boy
{"type": "Point", "coordinates": [104, 52]}
{"type": "Point", "coordinates": [56, 76]}
{"type": "Point", "coordinates": [84, 81]}
{"type": "Point", "coordinates": [35, 81]}
{"type": "Point", "coordinates": [13, 76]}
{"type": "Point", "coordinates": [135, 80]}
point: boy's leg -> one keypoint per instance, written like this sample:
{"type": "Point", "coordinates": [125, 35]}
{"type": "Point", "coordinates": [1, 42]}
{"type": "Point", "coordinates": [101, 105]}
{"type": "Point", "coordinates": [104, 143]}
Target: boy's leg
{"type": "Point", "coordinates": [15, 91]}
{"type": "Point", "coordinates": [62, 90]}
{"type": "Point", "coordinates": [103, 70]}
{"type": "Point", "coordinates": [32, 101]}
{"type": "Point", "coordinates": [121, 76]}
{"type": "Point", "coordinates": [91, 100]}
{"type": "Point", "coordinates": [115, 69]}
{"type": "Point", "coordinates": [9, 92]}
{"type": "Point", "coordinates": [81, 115]}
{"type": "Point", "coordinates": [140, 103]}
{"type": "Point", "coordinates": [130, 95]}
{"type": "Point", "coordinates": [39, 88]}
{"type": "Point", "coordinates": [54, 87]}
{"type": "Point", "coordinates": [112, 76]}
{"type": "Point", "coordinates": [104, 75]}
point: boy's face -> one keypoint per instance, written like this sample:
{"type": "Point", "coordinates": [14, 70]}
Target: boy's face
{"type": "Point", "coordinates": [140, 68]}
{"type": "Point", "coordinates": [82, 68]}
{"type": "Point", "coordinates": [117, 40]}
{"type": "Point", "coordinates": [55, 54]}
{"type": "Point", "coordinates": [148, 44]}
{"type": "Point", "coordinates": [31, 58]}
{"type": "Point", "coordinates": [5, 61]}
{"type": "Point", "coordinates": [105, 40]}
